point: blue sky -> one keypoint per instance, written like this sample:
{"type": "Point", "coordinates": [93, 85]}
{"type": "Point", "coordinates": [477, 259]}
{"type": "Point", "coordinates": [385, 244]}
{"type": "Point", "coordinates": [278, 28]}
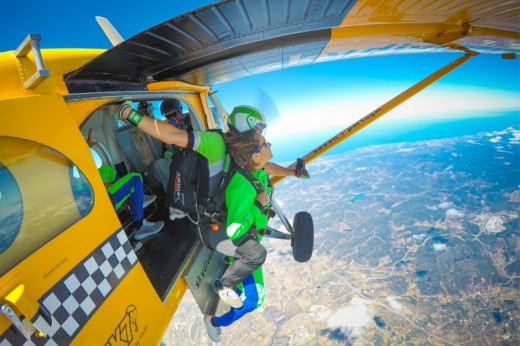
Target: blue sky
{"type": "Point", "coordinates": [298, 100]}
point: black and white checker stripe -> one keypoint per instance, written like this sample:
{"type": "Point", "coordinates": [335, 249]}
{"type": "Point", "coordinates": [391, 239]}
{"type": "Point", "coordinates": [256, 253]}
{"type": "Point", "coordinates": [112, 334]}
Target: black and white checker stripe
{"type": "Point", "coordinates": [73, 300]}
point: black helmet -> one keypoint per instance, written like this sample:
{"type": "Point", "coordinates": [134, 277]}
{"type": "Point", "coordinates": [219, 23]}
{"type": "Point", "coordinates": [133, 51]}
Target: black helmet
{"type": "Point", "coordinates": [170, 105]}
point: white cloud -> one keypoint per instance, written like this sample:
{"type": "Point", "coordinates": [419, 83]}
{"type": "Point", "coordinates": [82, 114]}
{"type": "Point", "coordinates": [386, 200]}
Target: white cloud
{"type": "Point", "coordinates": [454, 213]}
{"type": "Point", "coordinates": [516, 137]}
{"type": "Point", "coordinates": [419, 237]}
{"type": "Point", "coordinates": [444, 205]}
{"type": "Point", "coordinates": [351, 319]}
{"type": "Point", "coordinates": [394, 304]}
{"type": "Point", "coordinates": [439, 247]}
{"type": "Point", "coordinates": [319, 312]}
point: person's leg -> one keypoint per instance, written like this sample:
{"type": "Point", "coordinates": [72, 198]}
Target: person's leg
{"type": "Point", "coordinates": [129, 186]}
{"type": "Point", "coordinates": [136, 197]}
{"type": "Point", "coordinates": [254, 296]}
{"type": "Point", "coordinates": [134, 183]}
{"type": "Point", "coordinates": [249, 256]}
{"type": "Point", "coordinates": [161, 171]}
{"type": "Point", "coordinates": [217, 240]}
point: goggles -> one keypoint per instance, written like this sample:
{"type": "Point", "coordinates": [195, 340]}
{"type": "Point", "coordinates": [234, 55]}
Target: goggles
{"type": "Point", "coordinates": [173, 113]}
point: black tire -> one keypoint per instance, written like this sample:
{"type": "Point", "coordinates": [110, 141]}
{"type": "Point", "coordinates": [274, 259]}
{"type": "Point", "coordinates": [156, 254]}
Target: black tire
{"type": "Point", "coordinates": [303, 237]}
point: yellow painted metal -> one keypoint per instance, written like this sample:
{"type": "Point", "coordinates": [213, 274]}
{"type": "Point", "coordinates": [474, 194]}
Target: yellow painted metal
{"type": "Point", "coordinates": [196, 96]}
{"type": "Point", "coordinates": [177, 85]}
{"type": "Point", "coordinates": [22, 302]}
{"type": "Point", "coordinates": [41, 115]}
{"type": "Point", "coordinates": [48, 119]}
{"type": "Point", "coordinates": [390, 38]}
{"type": "Point", "coordinates": [382, 110]}
{"type": "Point", "coordinates": [132, 311]}
{"type": "Point", "coordinates": [45, 119]}
{"type": "Point", "coordinates": [505, 14]}
{"type": "Point", "coordinates": [15, 71]}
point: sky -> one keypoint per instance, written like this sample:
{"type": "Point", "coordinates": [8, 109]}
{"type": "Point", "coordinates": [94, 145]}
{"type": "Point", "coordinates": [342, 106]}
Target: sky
{"type": "Point", "coordinates": [295, 101]}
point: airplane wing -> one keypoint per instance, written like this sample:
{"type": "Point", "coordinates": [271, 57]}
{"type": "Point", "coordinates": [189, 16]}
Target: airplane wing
{"type": "Point", "coordinates": [232, 39]}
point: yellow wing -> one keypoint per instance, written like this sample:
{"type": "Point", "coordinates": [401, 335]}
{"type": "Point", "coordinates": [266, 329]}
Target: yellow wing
{"type": "Point", "coordinates": [234, 39]}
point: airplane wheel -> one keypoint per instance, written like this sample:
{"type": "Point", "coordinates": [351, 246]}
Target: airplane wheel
{"type": "Point", "coordinates": [303, 238]}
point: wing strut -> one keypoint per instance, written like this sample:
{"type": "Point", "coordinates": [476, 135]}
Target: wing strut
{"type": "Point", "coordinates": [382, 110]}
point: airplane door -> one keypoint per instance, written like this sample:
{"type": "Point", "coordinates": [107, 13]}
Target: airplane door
{"type": "Point", "coordinates": [47, 191]}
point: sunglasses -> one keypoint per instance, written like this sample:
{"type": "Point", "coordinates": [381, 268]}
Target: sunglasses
{"type": "Point", "coordinates": [258, 148]}
{"type": "Point", "coordinates": [173, 113]}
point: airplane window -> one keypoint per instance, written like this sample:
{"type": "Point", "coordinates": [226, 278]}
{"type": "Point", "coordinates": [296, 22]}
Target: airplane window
{"type": "Point", "coordinates": [42, 193]}
{"type": "Point", "coordinates": [11, 210]}
{"type": "Point", "coordinates": [97, 157]}
{"type": "Point", "coordinates": [217, 114]}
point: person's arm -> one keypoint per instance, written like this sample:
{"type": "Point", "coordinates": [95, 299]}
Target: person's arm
{"type": "Point", "coordinates": [154, 127]}
{"type": "Point", "coordinates": [297, 169]}
{"type": "Point", "coordinates": [91, 142]}
{"type": "Point", "coordinates": [277, 170]}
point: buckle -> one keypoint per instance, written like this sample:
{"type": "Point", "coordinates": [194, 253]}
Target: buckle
{"type": "Point", "coordinates": [214, 217]}
{"type": "Point", "coordinates": [256, 232]}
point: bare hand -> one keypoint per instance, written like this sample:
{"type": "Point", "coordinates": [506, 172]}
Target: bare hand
{"type": "Point", "coordinates": [91, 142]}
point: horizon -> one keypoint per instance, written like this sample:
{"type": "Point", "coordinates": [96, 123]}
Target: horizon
{"type": "Point", "coordinates": [383, 132]}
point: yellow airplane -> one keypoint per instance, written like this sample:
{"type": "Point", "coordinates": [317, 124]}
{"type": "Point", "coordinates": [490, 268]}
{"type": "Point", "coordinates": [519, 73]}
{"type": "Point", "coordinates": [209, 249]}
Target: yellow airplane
{"type": "Point", "coordinates": [71, 272]}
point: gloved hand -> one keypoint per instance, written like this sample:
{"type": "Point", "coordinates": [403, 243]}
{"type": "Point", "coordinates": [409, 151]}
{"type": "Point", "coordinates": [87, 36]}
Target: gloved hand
{"type": "Point", "coordinates": [124, 105]}
{"type": "Point", "coordinates": [300, 171]}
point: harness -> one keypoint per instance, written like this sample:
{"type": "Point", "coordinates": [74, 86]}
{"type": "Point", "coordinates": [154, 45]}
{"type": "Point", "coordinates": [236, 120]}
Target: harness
{"type": "Point", "coordinates": [215, 208]}
{"type": "Point", "coordinates": [191, 191]}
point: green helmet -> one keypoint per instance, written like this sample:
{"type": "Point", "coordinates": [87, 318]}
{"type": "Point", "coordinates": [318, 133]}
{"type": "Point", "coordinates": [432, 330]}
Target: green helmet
{"type": "Point", "coordinates": [245, 118]}
{"type": "Point", "coordinates": [108, 174]}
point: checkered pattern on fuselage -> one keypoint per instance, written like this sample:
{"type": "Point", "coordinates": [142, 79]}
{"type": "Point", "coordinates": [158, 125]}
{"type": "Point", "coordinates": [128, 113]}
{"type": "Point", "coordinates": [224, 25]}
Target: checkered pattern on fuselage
{"type": "Point", "coordinates": [74, 299]}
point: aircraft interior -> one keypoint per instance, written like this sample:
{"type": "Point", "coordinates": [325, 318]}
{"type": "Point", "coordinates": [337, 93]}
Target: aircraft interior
{"type": "Point", "coordinates": [126, 149]}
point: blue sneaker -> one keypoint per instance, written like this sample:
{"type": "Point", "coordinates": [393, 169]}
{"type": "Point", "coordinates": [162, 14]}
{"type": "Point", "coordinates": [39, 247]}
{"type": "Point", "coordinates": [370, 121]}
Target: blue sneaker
{"type": "Point", "coordinates": [147, 229]}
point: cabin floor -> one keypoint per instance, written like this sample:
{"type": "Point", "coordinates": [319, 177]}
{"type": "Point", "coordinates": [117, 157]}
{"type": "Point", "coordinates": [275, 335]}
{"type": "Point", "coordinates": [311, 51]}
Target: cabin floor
{"type": "Point", "coordinates": [164, 254]}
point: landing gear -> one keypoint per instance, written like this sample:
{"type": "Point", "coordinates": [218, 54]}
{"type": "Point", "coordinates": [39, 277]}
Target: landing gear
{"type": "Point", "coordinates": [302, 241]}
{"type": "Point", "coordinates": [301, 234]}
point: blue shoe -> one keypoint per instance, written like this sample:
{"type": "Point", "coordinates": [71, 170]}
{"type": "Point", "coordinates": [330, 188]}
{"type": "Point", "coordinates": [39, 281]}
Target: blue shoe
{"type": "Point", "coordinates": [148, 229]}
